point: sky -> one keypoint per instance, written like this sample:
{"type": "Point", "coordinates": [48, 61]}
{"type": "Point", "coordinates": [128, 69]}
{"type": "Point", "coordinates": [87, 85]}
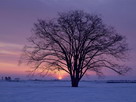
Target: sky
{"type": "Point", "coordinates": [18, 16]}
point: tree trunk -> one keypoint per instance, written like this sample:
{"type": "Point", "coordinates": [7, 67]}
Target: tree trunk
{"type": "Point", "coordinates": [74, 82]}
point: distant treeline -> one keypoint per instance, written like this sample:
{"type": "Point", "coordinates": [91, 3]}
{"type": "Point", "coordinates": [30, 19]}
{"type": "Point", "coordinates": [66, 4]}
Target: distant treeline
{"type": "Point", "coordinates": [121, 81]}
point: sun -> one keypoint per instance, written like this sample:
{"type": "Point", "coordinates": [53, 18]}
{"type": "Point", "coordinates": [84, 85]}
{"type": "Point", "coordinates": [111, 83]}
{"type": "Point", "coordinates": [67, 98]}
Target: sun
{"type": "Point", "coordinates": [60, 77]}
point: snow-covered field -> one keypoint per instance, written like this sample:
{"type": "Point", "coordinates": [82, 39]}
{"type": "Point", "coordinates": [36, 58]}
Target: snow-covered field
{"type": "Point", "coordinates": [60, 91]}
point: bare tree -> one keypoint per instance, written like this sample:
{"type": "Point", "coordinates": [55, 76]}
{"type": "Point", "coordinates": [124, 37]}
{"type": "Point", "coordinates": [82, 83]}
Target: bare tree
{"type": "Point", "coordinates": [76, 42]}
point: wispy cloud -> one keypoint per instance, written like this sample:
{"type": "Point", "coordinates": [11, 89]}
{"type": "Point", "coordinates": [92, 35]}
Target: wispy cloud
{"type": "Point", "coordinates": [4, 64]}
{"type": "Point", "coordinates": [3, 44]}
{"type": "Point", "coordinates": [10, 48]}
{"type": "Point", "coordinates": [9, 52]}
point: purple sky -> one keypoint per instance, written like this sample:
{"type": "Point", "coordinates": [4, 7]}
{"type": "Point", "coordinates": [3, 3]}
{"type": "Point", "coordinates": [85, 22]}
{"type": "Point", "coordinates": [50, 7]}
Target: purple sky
{"type": "Point", "coordinates": [17, 18]}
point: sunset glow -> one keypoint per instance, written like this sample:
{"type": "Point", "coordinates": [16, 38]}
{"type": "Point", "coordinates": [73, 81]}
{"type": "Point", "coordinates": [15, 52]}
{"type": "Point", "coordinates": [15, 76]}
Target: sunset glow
{"type": "Point", "coordinates": [18, 16]}
{"type": "Point", "coordinates": [59, 77]}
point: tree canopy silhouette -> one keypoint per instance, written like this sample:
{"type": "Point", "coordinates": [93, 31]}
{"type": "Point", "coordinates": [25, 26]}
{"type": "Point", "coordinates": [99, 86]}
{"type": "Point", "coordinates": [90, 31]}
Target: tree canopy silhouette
{"type": "Point", "coordinates": [76, 42]}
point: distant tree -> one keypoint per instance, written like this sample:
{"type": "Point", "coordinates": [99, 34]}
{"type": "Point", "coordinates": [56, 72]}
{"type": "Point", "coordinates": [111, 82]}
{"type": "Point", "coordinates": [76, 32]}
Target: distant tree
{"type": "Point", "coordinates": [76, 42]}
{"type": "Point", "coordinates": [8, 78]}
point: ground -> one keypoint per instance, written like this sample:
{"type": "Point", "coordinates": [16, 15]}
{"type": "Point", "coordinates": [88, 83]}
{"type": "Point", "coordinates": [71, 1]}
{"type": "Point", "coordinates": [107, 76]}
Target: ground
{"type": "Point", "coordinates": [60, 91]}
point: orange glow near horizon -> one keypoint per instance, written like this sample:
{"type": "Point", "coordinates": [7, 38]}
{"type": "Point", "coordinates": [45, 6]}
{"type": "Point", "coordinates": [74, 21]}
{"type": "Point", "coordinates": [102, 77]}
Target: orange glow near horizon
{"type": "Point", "coordinates": [60, 78]}
{"type": "Point", "coordinates": [61, 75]}
{"type": "Point", "coordinates": [13, 69]}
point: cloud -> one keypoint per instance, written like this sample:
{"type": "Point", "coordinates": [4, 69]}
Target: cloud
{"type": "Point", "coordinates": [10, 49]}
{"type": "Point", "coordinates": [2, 44]}
{"type": "Point", "coordinates": [5, 52]}
{"type": "Point", "coordinates": [3, 64]}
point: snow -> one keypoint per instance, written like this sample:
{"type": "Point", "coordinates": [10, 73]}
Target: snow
{"type": "Point", "coordinates": [60, 91]}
